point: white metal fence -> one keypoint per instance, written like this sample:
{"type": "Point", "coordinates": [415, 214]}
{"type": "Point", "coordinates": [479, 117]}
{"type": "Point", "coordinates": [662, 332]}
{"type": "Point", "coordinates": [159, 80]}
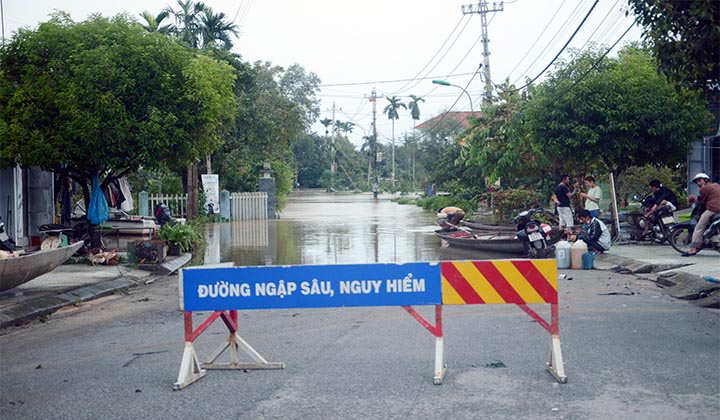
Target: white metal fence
{"type": "Point", "coordinates": [248, 206]}
{"type": "Point", "coordinates": [243, 206]}
{"type": "Point", "coordinates": [176, 202]}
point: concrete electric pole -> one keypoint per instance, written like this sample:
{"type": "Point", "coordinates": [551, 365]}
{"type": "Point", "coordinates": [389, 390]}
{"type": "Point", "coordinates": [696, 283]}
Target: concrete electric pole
{"type": "Point", "coordinates": [482, 9]}
{"type": "Point", "coordinates": [376, 183]}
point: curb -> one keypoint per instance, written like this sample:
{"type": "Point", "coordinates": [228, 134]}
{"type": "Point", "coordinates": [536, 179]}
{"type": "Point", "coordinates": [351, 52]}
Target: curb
{"type": "Point", "coordinates": [41, 306]}
{"type": "Point", "coordinates": [677, 284]}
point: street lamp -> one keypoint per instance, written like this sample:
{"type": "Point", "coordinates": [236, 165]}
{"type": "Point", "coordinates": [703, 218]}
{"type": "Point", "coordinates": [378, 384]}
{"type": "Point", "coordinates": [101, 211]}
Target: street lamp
{"type": "Point", "coordinates": [444, 83]}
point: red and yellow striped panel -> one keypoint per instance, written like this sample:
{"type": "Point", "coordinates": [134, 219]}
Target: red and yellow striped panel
{"type": "Point", "coordinates": [499, 281]}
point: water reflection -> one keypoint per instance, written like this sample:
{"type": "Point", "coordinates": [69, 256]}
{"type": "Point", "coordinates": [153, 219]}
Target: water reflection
{"type": "Point", "coordinates": [320, 228]}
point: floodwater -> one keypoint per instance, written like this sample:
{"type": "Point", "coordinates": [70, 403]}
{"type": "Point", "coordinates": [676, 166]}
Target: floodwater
{"type": "Point", "coordinates": [334, 228]}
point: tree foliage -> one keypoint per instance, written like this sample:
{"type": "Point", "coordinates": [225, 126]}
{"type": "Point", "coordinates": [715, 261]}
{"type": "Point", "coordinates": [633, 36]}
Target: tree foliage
{"type": "Point", "coordinates": [621, 114]}
{"type": "Point", "coordinates": [105, 96]}
{"type": "Point", "coordinates": [685, 36]}
{"type": "Point", "coordinates": [500, 143]}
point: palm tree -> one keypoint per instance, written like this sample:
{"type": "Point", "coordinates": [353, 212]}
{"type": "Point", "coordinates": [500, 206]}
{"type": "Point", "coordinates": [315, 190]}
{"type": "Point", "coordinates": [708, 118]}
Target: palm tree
{"type": "Point", "coordinates": [187, 22]}
{"type": "Point", "coordinates": [153, 23]}
{"type": "Point", "coordinates": [216, 30]}
{"type": "Point", "coordinates": [414, 108]}
{"type": "Point", "coordinates": [391, 112]}
{"type": "Point", "coordinates": [326, 122]}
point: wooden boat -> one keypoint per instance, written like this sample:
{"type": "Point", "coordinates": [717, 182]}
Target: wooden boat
{"type": "Point", "coordinates": [15, 271]}
{"type": "Point", "coordinates": [489, 227]}
{"type": "Point", "coordinates": [492, 242]}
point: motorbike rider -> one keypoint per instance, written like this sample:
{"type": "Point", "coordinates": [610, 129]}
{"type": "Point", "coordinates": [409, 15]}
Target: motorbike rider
{"type": "Point", "coordinates": [593, 232]}
{"type": "Point", "coordinates": [709, 199]}
{"type": "Point", "coordinates": [662, 196]}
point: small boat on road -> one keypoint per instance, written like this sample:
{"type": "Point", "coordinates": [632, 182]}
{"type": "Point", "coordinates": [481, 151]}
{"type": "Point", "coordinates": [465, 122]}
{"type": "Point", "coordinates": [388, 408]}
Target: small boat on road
{"type": "Point", "coordinates": [15, 271]}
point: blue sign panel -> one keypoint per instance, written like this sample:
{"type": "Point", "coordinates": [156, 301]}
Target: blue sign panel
{"type": "Point", "coordinates": [310, 286]}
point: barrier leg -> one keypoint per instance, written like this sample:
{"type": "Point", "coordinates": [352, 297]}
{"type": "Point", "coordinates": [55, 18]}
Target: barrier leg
{"type": "Point", "coordinates": [440, 365]}
{"type": "Point", "coordinates": [190, 370]}
{"type": "Point", "coordinates": [235, 342]}
{"type": "Point", "coordinates": [555, 367]}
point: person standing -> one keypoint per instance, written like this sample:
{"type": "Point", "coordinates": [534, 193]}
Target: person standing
{"type": "Point", "coordinates": [710, 200]}
{"type": "Point", "coordinates": [592, 197]}
{"type": "Point", "coordinates": [563, 192]}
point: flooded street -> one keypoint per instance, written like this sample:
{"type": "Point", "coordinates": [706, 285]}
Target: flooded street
{"type": "Point", "coordinates": [338, 228]}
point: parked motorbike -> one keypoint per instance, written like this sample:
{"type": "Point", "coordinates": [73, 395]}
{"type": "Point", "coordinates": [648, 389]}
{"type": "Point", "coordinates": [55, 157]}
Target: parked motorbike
{"type": "Point", "coordinates": [662, 221]}
{"type": "Point", "coordinates": [681, 235]}
{"type": "Point", "coordinates": [534, 235]}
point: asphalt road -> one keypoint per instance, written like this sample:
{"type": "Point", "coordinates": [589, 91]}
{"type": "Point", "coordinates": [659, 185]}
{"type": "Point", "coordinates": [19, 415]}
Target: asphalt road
{"type": "Point", "coordinates": [630, 352]}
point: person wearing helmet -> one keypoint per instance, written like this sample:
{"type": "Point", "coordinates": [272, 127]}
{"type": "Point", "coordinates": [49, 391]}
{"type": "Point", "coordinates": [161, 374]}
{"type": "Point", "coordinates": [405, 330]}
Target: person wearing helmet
{"type": "Point", "coordinates": [709, 199]}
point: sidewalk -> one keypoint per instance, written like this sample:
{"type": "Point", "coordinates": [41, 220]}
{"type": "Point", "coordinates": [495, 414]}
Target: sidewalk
{"type": "Point", "coordinates": [692, 278]}
{"type": "Point", "coordinates": [69, 284]}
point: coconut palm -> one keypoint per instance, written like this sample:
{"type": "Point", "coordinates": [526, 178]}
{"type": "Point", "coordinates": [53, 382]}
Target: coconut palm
{"type": "Point", "coordinates": [392, 113]}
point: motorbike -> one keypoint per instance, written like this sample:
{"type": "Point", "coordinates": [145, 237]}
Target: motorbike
{"type": "Point", "coordinates": [534, 235]}
{"type": "Point", "coordinates": [681, 234]}
{"type": "Point", "coordinates": [662, 221]}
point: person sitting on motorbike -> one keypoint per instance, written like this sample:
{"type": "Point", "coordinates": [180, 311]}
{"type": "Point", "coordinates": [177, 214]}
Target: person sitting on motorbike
{"type": "Point", "coordinates": [593, 232]}
{"type": "Point", "coordinates": [709, 199]}
{"type": "Point", "coordinates": [452, 215]}
{"type": "Point", "coordinates": [662, 196]}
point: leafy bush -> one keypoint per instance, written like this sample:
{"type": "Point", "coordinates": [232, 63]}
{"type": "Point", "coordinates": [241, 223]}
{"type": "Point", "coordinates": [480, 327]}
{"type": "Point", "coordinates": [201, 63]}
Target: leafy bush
{"type": "Point", "coordinates": [507, 203]}
{"type": "Point", "coordinates": [182, 235]}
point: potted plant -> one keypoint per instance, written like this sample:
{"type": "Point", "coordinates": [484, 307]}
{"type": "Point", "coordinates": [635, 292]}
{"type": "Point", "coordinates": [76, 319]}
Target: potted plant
{"type": "Point", "coordinates": [179, 237]}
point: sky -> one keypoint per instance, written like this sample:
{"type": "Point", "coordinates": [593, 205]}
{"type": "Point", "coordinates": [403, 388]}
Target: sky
{"type": "Point", "coordinates": [396, 47]}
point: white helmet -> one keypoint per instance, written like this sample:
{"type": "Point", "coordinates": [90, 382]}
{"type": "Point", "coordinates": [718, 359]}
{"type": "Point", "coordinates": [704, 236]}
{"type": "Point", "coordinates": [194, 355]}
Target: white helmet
{"type": "Point", "coordinates": [700, 175]}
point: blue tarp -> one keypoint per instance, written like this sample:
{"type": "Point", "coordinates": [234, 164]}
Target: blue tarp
{"type": "Point", "coordinates": [98, 208]}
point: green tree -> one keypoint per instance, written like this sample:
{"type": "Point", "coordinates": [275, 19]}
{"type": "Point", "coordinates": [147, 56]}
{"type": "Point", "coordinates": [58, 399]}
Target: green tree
{"type": "Point", "coordinates": [621, 114]}
{"type": "Point", "coordinates": [105, 97]}
{"type": "Point", "coordinates": [392, 114]}
{"type": "Point", "coordinates": [155, 23]}
{"type": "Point", "coordinates": [500, 144]}
{"type": "Point", "coordinates": [414, 106]}
{"type": "Point", "coordinates": [216, 30]}
{"type": "Point", "coordinates": [684, 36]}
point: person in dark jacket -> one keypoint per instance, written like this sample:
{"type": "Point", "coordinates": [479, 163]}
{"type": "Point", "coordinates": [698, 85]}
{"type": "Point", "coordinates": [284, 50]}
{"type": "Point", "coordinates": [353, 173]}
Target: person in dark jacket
{"type": "Point", "coordinates": [594, 232]}
{"type": "Point", "coordinates": [662, 196]}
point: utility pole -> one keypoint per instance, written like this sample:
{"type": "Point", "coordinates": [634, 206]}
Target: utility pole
{"type": "Point", "coordinates": [376, 183]}
{"type": "Point", "coordinates": [332, 141]}
{"type": "Point", "coordinates": [482, 9]}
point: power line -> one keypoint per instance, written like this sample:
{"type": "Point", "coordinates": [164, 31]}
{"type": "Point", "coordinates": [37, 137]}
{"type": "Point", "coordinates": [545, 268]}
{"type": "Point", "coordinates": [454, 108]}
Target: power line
{"type": "Point", "coordinates": [391, 81]}
{"type": "Point", "coordinates": [561, 50]}
{"type": "Point", "coordinates": [436, 53]}
{"type": "Point", "coordinates": [555, 38]}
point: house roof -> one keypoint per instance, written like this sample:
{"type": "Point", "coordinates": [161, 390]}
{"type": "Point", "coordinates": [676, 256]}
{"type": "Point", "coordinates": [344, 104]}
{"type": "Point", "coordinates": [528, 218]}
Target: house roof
{"type": "Point", "coordinates": [459, 117]}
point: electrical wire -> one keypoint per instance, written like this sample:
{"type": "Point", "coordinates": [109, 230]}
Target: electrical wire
{"type": "Point", "coordinates": [537, 39]}
{"type": "Point", "coordinates": [555, 38]}
{"type": "Point", "coordinates": [593, 66]}
{"type": "Point", "coordinates": [437, 52]}
{"type": "Point", "coordinates": [560, 52]}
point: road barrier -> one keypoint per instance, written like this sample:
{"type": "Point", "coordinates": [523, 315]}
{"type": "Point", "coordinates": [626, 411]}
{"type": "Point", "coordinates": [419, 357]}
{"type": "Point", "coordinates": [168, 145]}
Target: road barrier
{"type": "Point", "coordinates": [225, 290]}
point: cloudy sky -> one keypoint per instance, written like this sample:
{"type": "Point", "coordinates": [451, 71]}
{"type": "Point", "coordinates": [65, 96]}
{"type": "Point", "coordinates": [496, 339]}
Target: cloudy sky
{"type": "Point", "coordinates": [394, 46]}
